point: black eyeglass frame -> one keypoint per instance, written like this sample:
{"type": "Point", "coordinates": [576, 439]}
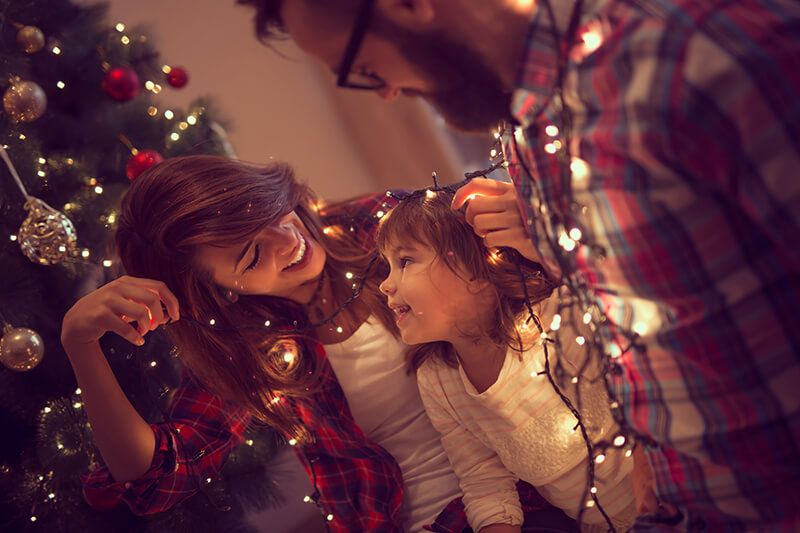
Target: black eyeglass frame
{"type": "Point", "coordinates": [351, 51]}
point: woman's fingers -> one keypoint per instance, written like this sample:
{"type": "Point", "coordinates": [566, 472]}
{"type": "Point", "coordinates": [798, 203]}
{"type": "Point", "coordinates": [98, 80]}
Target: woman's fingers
{"type": "Point", "coordinates": [123, 329]}
{"type": "Point", "coordinates": [160, 289]}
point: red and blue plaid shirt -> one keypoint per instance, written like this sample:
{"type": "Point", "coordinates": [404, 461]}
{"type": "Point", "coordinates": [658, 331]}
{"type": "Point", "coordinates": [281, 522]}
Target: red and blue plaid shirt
{"type": "Point", "coordinates": [684, 139]}
{"type": "Point", "coordinates": [359, 482]}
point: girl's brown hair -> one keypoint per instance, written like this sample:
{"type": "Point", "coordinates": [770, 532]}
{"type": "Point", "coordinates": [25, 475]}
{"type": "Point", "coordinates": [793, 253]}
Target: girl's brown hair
{"type": "Point", "coordinates": [428, 219]}
{"type": "Point", "coordinates": [186, 202]}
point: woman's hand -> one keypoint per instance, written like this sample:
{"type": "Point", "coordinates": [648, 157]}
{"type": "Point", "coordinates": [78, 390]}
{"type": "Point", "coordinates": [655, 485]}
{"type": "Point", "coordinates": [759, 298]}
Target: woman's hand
{"type": "Point", "coordinates": [113, 306]}
{"type": "Point", "coordinates": [493, 212]}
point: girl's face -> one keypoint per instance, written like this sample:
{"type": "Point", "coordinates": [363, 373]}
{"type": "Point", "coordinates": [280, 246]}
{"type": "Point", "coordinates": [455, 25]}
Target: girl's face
{"type": "Point", "coordinates": [280, 260]}
{"type": "Point", "coordinates": [431, 302]}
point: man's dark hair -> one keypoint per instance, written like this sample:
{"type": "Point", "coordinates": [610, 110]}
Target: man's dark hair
{"type": "Point", "coordinates": [268, 23]}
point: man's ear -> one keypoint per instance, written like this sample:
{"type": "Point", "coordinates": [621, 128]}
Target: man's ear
{"type": "Point", "coordinates": [408, 13]}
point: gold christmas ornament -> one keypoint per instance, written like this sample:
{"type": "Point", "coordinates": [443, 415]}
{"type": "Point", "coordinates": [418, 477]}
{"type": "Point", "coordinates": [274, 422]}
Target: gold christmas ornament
{"type": "Point", "coordinates": [30, 39]}
{"type": "Point", "coordinates": [21, 349]}
{"type": "Point", "coordinates": [25, 101]}
{"type": "Point", "coordinates": [47, 236]}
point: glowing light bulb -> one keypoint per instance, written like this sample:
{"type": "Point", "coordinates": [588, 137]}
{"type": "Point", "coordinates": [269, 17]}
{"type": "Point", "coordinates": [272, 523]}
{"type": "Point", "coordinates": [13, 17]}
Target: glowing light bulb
{"type": "Point", "coordinates": [619, 440]}
{"type": "Point", "coordinates": [591, 41]}
{"type": "Point", "coordinates": [600, 458]}
{"type": "Point", "coordinates": [551, 130]}
{"type": "Point", "coordinates": [212, 321]}
{"type": "Point", "coordinates": [292, 442]}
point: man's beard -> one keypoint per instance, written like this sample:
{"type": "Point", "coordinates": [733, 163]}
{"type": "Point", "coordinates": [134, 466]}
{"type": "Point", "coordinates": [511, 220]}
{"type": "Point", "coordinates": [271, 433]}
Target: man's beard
{"type": "Point", "coordinates": [466, 90]}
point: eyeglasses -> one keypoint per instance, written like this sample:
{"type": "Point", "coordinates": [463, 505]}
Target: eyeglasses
{"type": "Point", "coordinates": [357, 80]}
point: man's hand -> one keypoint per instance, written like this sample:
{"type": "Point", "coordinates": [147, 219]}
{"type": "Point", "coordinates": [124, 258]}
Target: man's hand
{"type": "Point", "coordinates": [493, 212]}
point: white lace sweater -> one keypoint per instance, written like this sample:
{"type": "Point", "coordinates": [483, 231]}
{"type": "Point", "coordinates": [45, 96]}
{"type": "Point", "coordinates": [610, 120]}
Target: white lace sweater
{"type": "Point", "coordinates": [520, 428]}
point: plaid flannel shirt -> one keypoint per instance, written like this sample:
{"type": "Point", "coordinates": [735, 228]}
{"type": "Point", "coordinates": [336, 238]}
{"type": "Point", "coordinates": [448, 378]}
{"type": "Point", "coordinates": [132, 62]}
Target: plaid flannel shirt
{"type": "Point", "coordinates": [684, 120]}
{"type": "Point", "coordinates": [359, 482]}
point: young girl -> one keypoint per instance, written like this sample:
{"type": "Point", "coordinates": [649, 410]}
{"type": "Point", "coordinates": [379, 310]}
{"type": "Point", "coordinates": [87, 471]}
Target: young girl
{"type": "Point", "coordinates": [479, 368]}
{"type": "Point", "coordinates": [247, 272]}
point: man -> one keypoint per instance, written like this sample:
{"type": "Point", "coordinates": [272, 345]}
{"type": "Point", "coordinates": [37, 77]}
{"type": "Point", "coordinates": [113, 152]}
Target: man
{"type": "Point", "coordinates": [655, 150]}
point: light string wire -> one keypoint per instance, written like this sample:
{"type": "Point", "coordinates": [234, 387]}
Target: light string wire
{"type": "Point", "coordinates": [581, 298]}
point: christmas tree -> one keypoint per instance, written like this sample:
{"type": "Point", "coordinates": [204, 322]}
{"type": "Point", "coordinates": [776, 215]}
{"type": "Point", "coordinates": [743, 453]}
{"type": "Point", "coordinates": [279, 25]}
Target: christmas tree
{"type": "Point", "coordinates": [81, 118]}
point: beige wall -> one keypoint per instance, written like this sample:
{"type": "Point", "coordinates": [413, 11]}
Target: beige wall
{"type": "Point", "coordinates": [285, 107]}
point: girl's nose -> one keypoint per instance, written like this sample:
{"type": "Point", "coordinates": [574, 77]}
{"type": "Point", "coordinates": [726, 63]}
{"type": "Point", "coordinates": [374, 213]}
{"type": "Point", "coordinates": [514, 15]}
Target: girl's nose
{"type": "Point", "coordinates": [386, 287]}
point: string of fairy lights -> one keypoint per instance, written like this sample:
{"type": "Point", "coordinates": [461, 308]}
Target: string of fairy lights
{"type": "Point", "coordinates": [563, 236]}
{"type": "Point", "coordinates": [47, 165]}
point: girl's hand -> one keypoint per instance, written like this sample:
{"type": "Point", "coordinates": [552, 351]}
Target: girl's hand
{"type": "Point", "coordinates": [493, 212]}
{"type": "Point", "coordinates": [646, 499]}
{"type": "Point", "coordinates": [113, 306]}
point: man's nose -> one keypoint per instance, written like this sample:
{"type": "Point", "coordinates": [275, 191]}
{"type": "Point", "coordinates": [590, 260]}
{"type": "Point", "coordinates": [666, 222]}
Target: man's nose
{"type": "Point", "coordinates": [388, 93]}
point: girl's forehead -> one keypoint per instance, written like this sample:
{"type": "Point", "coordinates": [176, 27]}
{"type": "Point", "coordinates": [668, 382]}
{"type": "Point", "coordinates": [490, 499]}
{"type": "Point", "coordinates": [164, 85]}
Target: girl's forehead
{"type": "Point", "coordinates": [400, 243]}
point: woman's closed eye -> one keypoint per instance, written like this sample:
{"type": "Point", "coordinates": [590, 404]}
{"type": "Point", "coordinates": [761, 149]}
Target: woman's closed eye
{"type": "Point", "coordinates": [256, 258]}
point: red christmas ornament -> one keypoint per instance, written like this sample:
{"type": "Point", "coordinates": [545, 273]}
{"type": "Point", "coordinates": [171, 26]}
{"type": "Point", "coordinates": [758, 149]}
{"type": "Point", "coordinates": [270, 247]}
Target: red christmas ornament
{"type": "Point", "coordinates": [141, 162]}
{"type": "Point", "coordinates": [177, 77]}
{"type": "Point", "coordinates": [121, 84]}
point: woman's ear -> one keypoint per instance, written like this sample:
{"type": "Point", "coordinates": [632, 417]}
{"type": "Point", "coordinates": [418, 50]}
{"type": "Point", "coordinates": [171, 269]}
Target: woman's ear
{"type": "Point", "coordinates": [411, 14]}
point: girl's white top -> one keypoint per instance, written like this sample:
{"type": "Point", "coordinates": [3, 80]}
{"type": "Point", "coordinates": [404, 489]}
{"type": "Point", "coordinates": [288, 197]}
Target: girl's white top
{"type": "Point", "coordinates": [385, 403]}
{"type": "Point", "coordinates": [520, 428]}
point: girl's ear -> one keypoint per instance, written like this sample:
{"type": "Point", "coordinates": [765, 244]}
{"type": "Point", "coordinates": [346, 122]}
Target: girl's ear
{"type": "Point", "coordinates": [477, 285]}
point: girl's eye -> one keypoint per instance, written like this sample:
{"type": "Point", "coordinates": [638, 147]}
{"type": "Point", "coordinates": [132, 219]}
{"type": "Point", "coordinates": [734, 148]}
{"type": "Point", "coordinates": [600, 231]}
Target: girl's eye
{"type": "Point", "coordinates": [404, 261]}
{"type": "Point", "coordinates": [254, 262]}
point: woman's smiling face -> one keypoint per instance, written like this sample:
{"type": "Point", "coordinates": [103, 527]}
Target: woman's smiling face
{"type": "Point", "coordinates": [278, 261]}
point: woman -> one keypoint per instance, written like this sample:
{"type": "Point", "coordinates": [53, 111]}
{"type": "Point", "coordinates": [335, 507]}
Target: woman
{"type": "Point", "coordinates": [249, 271]}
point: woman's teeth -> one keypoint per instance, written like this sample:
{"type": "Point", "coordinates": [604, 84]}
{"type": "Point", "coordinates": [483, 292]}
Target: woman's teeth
{"type": "Point", "coordinates": [301, 252]}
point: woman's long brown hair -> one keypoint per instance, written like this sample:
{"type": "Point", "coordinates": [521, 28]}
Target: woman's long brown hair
{"type": "Point", "coordinates": [186, 202]}
{"type": "Point", "coordinates": [429, 220]}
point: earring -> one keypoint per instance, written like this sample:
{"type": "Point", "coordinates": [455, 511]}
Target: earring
{"type": "Point", "coordinates": [230, 296]}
